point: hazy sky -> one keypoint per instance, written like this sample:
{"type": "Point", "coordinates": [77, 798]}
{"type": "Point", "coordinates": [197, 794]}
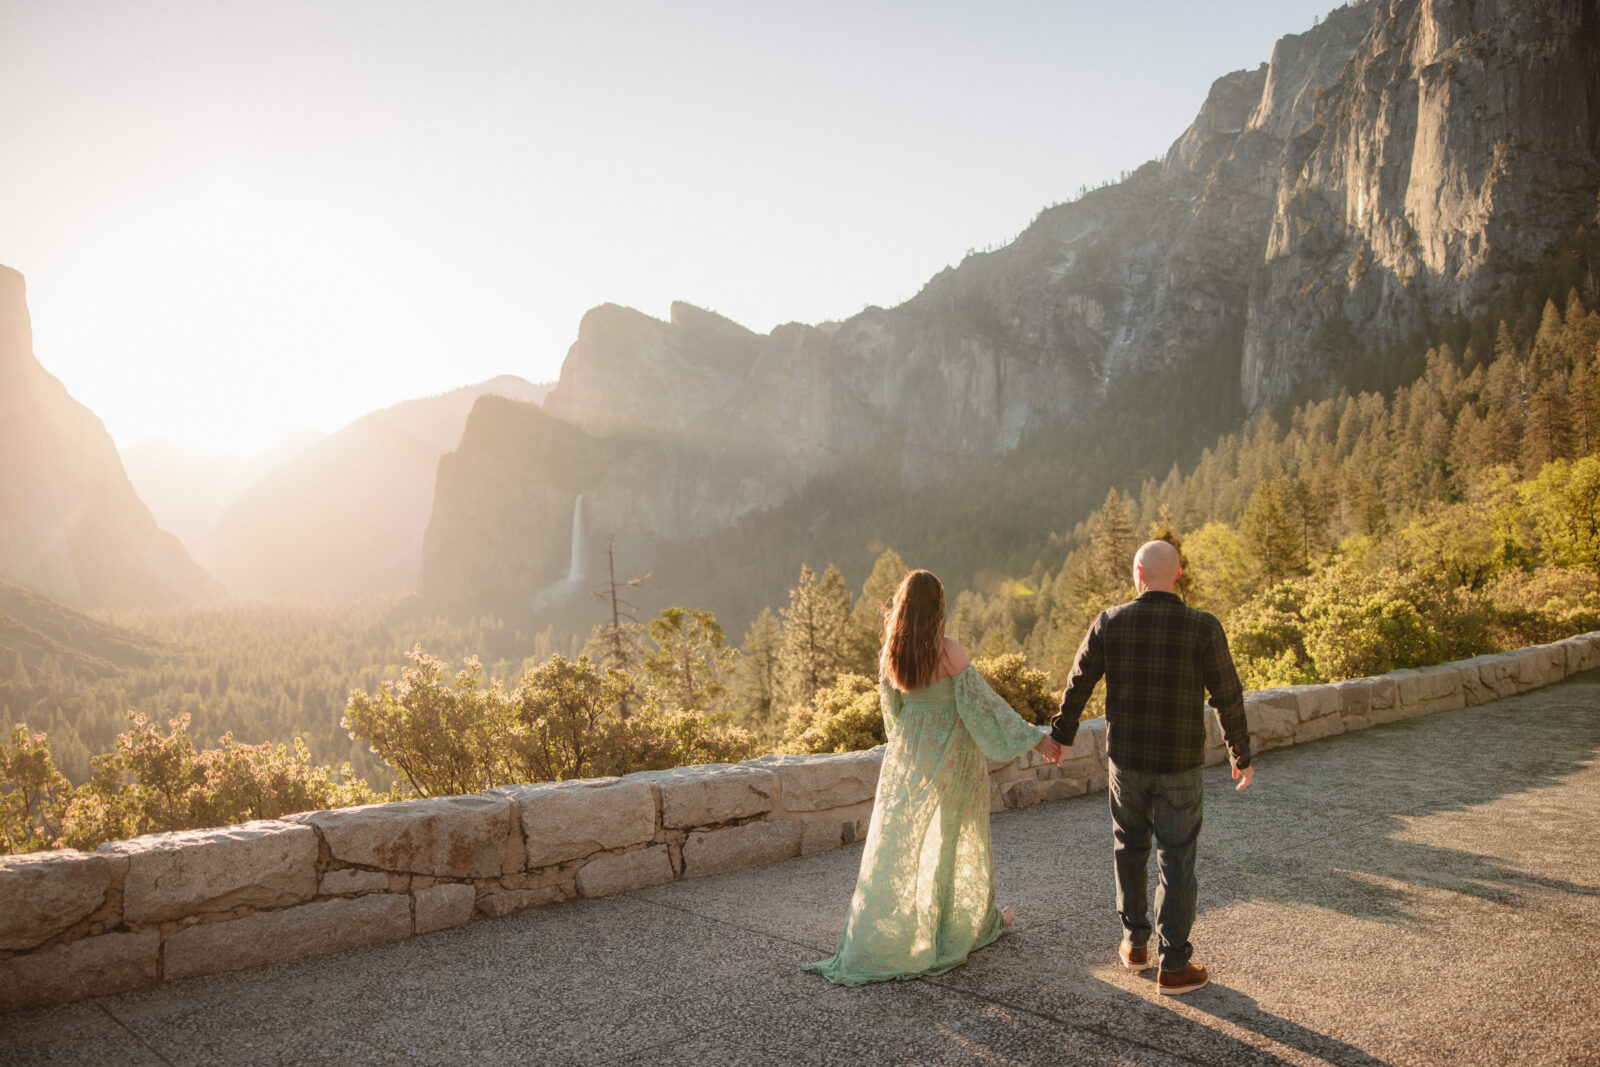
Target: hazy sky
{"type": "Point", "coordinates": [236, 218]}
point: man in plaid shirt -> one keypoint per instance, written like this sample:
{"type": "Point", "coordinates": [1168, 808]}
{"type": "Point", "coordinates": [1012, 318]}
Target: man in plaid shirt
{"type": "Point", "coordinates": [1159, 659]}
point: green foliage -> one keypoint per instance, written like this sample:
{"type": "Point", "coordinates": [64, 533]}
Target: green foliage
{"type": "Point", "coordinates": [1363, 624]}
{"type": "Point", "coordinates": [439, 732]}
{"type": "Point", "coordinates": [33, 794]}
{"type": "Point", "coordinates": [689, 665]}
{"type": "Point", "coordinates": [1219, 554]}
{"type": "Point", "coordinates": [845, 717]}
{"type": "Point", "coordinates": [1565, 502]}
{"type": "Point", "coordinates": [755, 691]}
{"type": "Point", "coordinates": [555, 725]}
{"type": "Point", "coordinates": [165, 784]}
{"type": "Point", "coordinates": [1266, 635]}
{"type": "Point", "coordinates": [866, 620]}
{"type": "Point", "coordinates": [260, 671]}
{"type": "Point", "coordinates": [1272, 539]}
{"type": "Point", "coordinates": [816, 634]}
{"type": "Point", "coordinates": [1113, 540]}
{"type": "Point", "coordinates": [452, 735]}
{"type": "Point", "coordinates": [154, 783]}
{"type": "Point", "coordinates": [1025, 689]}
{"type": "Point", "coordinates": [1465, 543]}
{"type": "Point", "coordinates": [658, 738]}
{"type": "Point", "coordinates": [1346, 621]}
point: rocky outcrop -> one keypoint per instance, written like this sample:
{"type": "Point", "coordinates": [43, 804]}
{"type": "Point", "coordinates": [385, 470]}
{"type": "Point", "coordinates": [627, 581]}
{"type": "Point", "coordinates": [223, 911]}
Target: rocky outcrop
{"type": "Point", "coordinates": [1461, 140]}
{"type": "Point", "coordinates": [71, 525]}
{"type": "Point", "coordinates": [502, 529]}
{"type": "Point", "coordinates": [659, 374]}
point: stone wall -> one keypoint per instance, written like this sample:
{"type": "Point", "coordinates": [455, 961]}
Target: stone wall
{"type": "Point", "coordinates": [165, 906]}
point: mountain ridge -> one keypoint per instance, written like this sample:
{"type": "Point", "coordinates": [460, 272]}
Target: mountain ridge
{"type": "Point", "coordinates": [347, 514]}
{"type": "Point", "coordinates": [71, 526]}
{"type": "Point", "coordinates": [1320, 214]}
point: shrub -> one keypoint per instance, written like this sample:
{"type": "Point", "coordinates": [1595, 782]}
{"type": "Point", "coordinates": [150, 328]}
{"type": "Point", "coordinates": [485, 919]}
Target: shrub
{"type": "Point", "coordinates": [846, 717]}
{"type": "Point", "coordinates": [154, 783]}
{"type": "Point", "coordinates": [660, 737]}
{"type": "Point", "coordinates": [560, 722]}
{"type": "Point", "coordinates": [33, 794]}
{"type": "Point", "coordinates": [1266, 635]}
{"type": "Point", "coordinates": [1025, 689]}
{"type": "Point", "coordinates": [1372, 635]}
{"type": "Point", "coordinates": [438, 733]}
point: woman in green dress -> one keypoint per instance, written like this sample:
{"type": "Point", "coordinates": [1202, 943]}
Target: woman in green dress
{"type": "Point", "coordinates": [925, 896]}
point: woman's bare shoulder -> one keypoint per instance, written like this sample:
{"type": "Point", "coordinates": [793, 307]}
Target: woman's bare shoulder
{"type": "Point", "coordinates": [954, 658]}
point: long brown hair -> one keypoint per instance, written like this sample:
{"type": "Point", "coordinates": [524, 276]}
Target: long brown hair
{"type": "Point", "coordinates": [912, 629]}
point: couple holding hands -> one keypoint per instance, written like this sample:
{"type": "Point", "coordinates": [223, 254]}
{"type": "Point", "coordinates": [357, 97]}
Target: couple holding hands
{"type": "Point", "coordinates": [925, 895]}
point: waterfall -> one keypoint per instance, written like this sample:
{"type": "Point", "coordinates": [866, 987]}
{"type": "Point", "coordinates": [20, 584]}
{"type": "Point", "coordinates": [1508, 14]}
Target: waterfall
{"type": "Point", "coordinates": [577, 566]}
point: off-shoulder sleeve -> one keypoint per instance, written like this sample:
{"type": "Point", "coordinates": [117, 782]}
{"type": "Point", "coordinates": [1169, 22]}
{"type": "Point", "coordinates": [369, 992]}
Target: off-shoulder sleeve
{"type": "Point", "coordinates": [1000, 732]}
{"type": "Point", "coordinates": [889, 702]}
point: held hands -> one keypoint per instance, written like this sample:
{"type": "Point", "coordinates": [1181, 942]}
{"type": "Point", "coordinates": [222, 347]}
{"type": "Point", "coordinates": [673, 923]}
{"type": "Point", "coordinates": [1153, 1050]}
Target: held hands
{"type": "Point", "coordinates": [1049, 748]}
{"type": "Point", "coordinates": [1245, 777]}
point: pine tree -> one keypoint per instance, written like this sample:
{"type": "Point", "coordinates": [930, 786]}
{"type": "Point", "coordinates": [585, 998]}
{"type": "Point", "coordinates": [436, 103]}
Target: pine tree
{"type": "Point", "coordinates": [1548, 433]}
{"type": "Point", "coordinates": [689, 665]}
{"type": "Point", "coordinates": [1579, 334]}
{"type": "Point", "coordinates": [1585, 396]}
{"type": "Point", "coordinates": [816, 635]}
{"type": "Point", "coordinates": [1504, 399]}
{"type": "Point", "coordinates": [1113, 539]}
{"type": "Point", "coordinates": [1545, 355]}
{"type": "Point", "coordinates": [756, 678]}
{"type": "Point", "coordinates": [1271, 536]}
{"type": "Point", "coordinates": [866, 621]}
{"type": "Point", "coordinates": [1306, 512]}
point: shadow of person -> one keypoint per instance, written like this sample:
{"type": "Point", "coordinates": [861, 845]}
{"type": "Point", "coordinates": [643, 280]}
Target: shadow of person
{"type": "Point", "coordinates": [1234, 1007]}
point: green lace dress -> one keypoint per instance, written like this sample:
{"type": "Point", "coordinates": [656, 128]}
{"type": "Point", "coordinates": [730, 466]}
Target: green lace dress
{"type": "Point", "coordinates": [925, 895]}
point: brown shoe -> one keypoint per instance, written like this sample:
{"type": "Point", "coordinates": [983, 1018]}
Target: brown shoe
{"type": "Point", "coordinates": [1187, 980]}
{"type": "Point", "coordinates": [1134, 957]}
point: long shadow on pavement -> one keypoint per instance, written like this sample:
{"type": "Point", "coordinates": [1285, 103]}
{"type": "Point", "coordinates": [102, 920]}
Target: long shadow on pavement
{"type": "Point", "coordinates": [1234, 1007]}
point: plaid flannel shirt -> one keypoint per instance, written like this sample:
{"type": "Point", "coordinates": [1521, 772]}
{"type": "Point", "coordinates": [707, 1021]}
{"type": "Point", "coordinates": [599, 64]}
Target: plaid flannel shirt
{"type": "Point", "coordinates": [1159, 658]}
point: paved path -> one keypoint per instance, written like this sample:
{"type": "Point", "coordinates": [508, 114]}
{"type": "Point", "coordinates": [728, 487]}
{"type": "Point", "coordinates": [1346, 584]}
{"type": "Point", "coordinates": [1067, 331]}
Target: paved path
{"type": "Point", "coordinates": [1421, 893]}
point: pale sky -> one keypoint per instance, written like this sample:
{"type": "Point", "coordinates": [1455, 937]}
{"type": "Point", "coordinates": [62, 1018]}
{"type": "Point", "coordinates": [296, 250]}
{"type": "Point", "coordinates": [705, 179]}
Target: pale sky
{"type": "Point", "coordinates": [237, 218]}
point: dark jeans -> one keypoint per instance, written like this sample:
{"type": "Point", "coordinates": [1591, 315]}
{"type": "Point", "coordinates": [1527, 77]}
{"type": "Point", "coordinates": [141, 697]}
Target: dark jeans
{"type": "Point", "coordinates": [1170, 806]}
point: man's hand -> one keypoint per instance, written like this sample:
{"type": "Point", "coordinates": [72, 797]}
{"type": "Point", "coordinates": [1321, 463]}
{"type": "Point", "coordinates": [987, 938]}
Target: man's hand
{"type": "Point", "coordinates": [1050, 749]}
{"type": "Point", "coordinates": [1245, 777]}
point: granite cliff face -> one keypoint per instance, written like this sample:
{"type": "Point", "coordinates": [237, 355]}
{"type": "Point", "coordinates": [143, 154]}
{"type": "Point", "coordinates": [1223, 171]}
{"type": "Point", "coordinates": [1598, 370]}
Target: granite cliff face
{"type": "Point", "coordinates": [1392, 164]}
{"type": "Point", "coordinates": [1462, 138]}
{"type": "Point", "coordinates": [71, 526]}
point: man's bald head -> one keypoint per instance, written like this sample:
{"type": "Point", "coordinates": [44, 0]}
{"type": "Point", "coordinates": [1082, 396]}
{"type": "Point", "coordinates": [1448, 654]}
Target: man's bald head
{"type": "Point", "coordinates": [1156, 567]}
